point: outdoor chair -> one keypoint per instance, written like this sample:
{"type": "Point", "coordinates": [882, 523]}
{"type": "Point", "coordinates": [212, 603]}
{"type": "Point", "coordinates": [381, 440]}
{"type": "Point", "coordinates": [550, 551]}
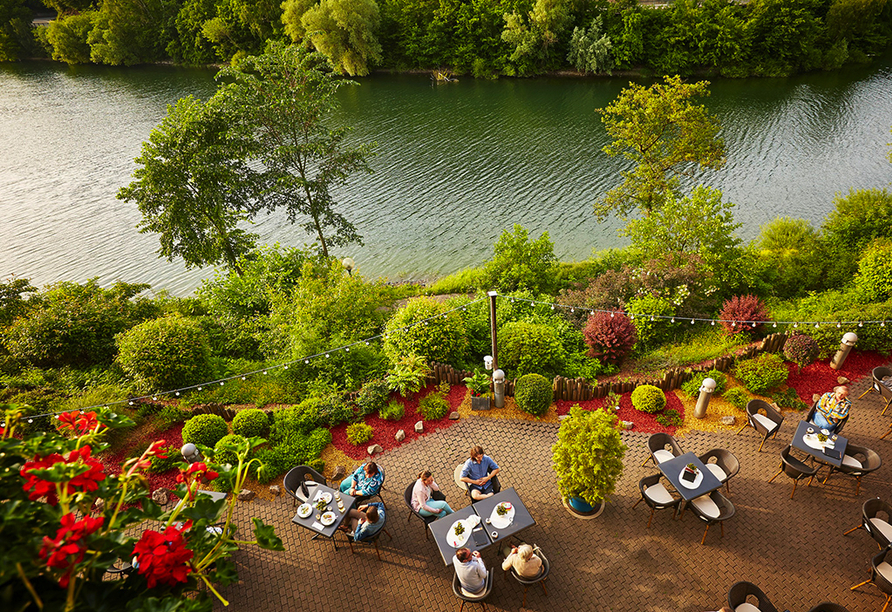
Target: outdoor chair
{"type": "Point", "coordinates": [656, 496]}
{"type": "Point", "coordinates": [740, 591]}
{"type": "Point", "coordinates": [795, 469]}
{"type": "Point", "coordinates": [768, 424]}
{"type": "Point", "coordinates": [364, 499]}
{"type": "Point", "coordinates": [879, 528]}
{"type": "Point", "coordinates": [456, 475]}
{"type": "Point", "coordinates": [465, 596]}
{"type": "Point", "coordinates": [540, 578]}
{"type": "Point", "coordinates": [857, 462]}
{"type": "Point", "coordinates": [724, 467]}
{"type": "Point", "coordinates": [811, 415]}
{"type": "Point", "coordinates": [828, 607]}
{"type": "Point", "coordinates": [371, 540]}
{"type": "Point", "coordinates": [662, 447]}
{"type": "Point", "coordinates": [878, 374]}
{"type": "Point", "coordinates": [298, 476]}
{"type": "Point", "coordinates": [426, 519]}
{"type": "Point", "coordinates": [880, 575]}
{"type": "Point", "coordinates": [711, 509]}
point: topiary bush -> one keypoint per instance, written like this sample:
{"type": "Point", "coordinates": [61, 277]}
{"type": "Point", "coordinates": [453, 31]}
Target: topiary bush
{"type": "Point", "coordinates": [610, 336]}
{"type": "Point", "coordinates": [440, 338]}
{"type": "Point", "coordinates": [359, 433]}
{"type": "Point", "coordinates": [372, 397]}
{"type": "Point", "coordinates": [394, 410]}
{"type": "Point", "coordinates": [801, 350]}
{"type": "Point", "coordinates": [737, 397]}
{"type": "Point", "coordinates": [250, 423]}
{"type": "Point", "coordinates": [692, 387]}
{"type": "Point", "coordinates": [526, 347]}
{"type": "Point", "coordinates": [224, 455]}
{"type": "Point", "coordinates": [648, 398]}
{"type": "Point", "coordinates": [762, 373]}
{"type": "Point", "coordinates": [742, 313]}
{"type": "Point", "coordinates": [533, 394]}
{"type": "Point", "coordinates": [205, 429]}
{"type": "Point", "coordinates": [433, 406]}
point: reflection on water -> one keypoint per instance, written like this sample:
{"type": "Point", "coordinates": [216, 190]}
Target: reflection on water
{"type": "Point", "coordinates": [456, 164]}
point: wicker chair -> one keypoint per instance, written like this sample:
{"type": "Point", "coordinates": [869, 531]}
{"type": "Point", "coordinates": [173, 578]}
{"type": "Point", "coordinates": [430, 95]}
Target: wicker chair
{"type": "Point", "coordinates": [768, 424]}
{"type": "Point", "coordinates": [795, 469]}
{"type": "Point", "coordinates": [880, 529]}
{"type": "Point", "coordinates": [371, 540]}
{"type": "Point", "coordinates": [472, 597]}
{"type": "Point", "coordinates": [880, 575]}
{"type": "Point", "coordinates": [656, 496]}
{"type": "Point", "coordinates": [657, 445]}
{"type": "Point", "coordinates": [296, 477]}
{"type": "Point", "coordinates": [828, 607]}
{"type": "Point", "coordinates": [724, 467]}
{"type": "Point", "coordinates": [364, 499]}
{"type": "Point", "coordinates": [878, 374]}
{"type": "Point", "coordinates": [811, 415]}
{"type": "Point", "coordinates": [738, 593]}
{"type": "Point", "coordinates": [857, 462]}
{"type": "Point", "coordinates": [711, 509]}
{"type": "Point", "coordinates": [538, 579]}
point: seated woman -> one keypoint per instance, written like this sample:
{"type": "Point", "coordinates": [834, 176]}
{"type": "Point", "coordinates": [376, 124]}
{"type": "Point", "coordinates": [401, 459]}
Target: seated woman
{"type": "Point", "coordinates": [524, 562]}
{"type": "Point", "coordinates": [426, 497]}
{"type": "Point", "coordinates": [364, 522]}
{"type": "Point", "coordinates": [832, 408]}
{"type": "Point", "coordinates": [364, 482]}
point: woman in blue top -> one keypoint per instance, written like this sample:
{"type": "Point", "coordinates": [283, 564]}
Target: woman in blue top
{"type": "Point", "coordinates": [364, 482]}
{"type": "Point", "coordinates": [364, 522]}
{"type": "Point", "coordinates": [478, 473]}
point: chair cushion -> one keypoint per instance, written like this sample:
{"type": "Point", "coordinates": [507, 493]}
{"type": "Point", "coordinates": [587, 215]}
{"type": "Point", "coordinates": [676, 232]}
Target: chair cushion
{"type": "Point", "coordinates": [746, 607]}
{"type": "Point", "coordinates": [478, 595]}
{"type": "Point", "coordinates": [851, 462]}
{"type": "Point", "coordinates": [663, 455]}
{"type": "Point", "coordinates": [719, 472]}
{"type": "Point", "coordinates": [885, 570]}
{"type": "Point", "coordinates": [706, 506]}
{"type": "Point", "coordinates": [883, 527]}
{"type": "Point", "coordinates": [659, 494]}
{"type": "Point", "coordinates": [765, 422]}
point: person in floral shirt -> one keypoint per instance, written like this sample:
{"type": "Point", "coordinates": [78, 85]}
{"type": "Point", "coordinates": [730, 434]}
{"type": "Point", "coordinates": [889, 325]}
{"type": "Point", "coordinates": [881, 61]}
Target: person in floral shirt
{"type": "Point", "coordinates": [364, 482]}
{"type": "Point", "coordinates": [832, 408]}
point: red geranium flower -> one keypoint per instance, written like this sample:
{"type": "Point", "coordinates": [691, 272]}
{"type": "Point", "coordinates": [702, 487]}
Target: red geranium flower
{"type": "Point", "coordinates": [163, 557]}
{"type": "Point", "coordinates": [79, 423]}
{"type": "Point", "coordinates": [87, 481]}
{"type": "Point", "coordinates": [67, 549]}
{"type": "Point", "coordinates": [197, 470]}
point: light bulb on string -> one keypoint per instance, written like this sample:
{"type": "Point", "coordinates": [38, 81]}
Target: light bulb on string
{"type": "Point", "coordinates": [130, 402]}
{"type": "Point", "coordinates": [221, 383]}
{"type": "Point", "coordinates": [612, 314]}
{"type": "Point", "coordinates": [346, 349]}
{"type": "Point", "coordinates": [860, 324]}
{"type": "Point", "coordinates": [155, 399]}
{"type": "Point", "coordinates": [243, 378]}
{"type": "Point", "coordinates": [692, 321]}
{"type": "Point", "coordinates": [327, 355]}
{"type": "Point", "coordinates": [177, 393]}
{"type": "Point", "coordinates": [712, 322]}
{"type": "Point", "coordinates": [265, 372]}
{"type": "Point", "coordinates": [673, 319]}
{"type": "Point", "coordinates": [30, 420]}
{"type": "Point", "coordinates": [775, 324]}
{"type": "Point", "coordinates": [838, 325]}
{"type": "Point", "coordinates": [199, 388]}
{"type": "Point", "coordinates": [816, 326]}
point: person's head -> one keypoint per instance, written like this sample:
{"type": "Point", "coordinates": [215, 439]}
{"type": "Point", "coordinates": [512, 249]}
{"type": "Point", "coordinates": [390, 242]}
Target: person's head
{"type": "Point", "coordinates": [525, 551]}
{"type": "Point", "coordinates": [426, 477]}
{"type": "Point", "coordinates": [371, 469]}
{"type": "Point", "coordinates": [463, 554]}
{"type": "Point", "coordinates": [477, 454]}
{"type": "Point", "coordinates": [841, 392]}
{"type": "Point", "coordinates": [371, 514]}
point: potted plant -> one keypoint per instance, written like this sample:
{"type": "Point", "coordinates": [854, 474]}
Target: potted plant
{"type": "Point", "coordinates": [588, 459]}
{"type": "Point", "coordinates": [478, 385]}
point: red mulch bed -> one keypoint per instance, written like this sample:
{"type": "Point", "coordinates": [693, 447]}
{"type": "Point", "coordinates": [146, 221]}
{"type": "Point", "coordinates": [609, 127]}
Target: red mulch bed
{"type": "Point", "coordinates": [139, 442]}
{"type": "Point", "coordinates": [384, 431]}
{"type": "Point", "coordinates": [819, 377]}
{"type": "Point", "coordinates": [643, 421]}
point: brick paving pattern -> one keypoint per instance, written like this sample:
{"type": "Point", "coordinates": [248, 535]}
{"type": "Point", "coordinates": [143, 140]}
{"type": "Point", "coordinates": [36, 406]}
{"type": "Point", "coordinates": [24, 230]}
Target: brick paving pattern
{"type": "Point", "coordinates": [793, 549]}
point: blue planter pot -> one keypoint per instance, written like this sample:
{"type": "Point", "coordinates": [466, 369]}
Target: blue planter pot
{"type": "Point", "coordinates": [580, 505]}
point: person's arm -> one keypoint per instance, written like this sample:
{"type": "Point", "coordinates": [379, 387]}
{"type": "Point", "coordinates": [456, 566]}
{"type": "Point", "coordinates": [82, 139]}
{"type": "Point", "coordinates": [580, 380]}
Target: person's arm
{"type": "Point", "coordinates": [509, 560]}
{"type": "Point", "coordinates": [466, 474]}
{"type": "Point", "coordinates": [479, 567]}
{"type": "Point", "coordinates": [434, 486]}
{"type": "Point", "coordinates": [492, 469]}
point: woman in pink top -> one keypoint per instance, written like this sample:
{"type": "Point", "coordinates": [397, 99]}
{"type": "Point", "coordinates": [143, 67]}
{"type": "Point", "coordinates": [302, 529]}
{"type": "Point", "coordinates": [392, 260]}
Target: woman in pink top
{"type": "Point", "coordinates": [426, 497]}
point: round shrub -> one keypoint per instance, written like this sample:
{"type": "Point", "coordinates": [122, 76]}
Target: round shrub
{"type": "Point", "coordinates": [250, 423]}
{"type": "Point", "coordinates": [648, 398]}
{"type": "Point", "coordinates": [526, 347]}
{"type": "Point", "coordinates": [433, 406]}
{"type": "Point", "coordinates": [762, 373]}
{"type": "Point", "coordinates": [165, 353]}
{"type": "Point", "coordinates": [743, 313]}
{"type": "Point", "coordinates": [533, 394]}
{"type": "Point", "coordinates": [205, 429]}
{"type": "Point", "coordinates": [737, 397]}
{"type": "Point", "coordinates": [223, 455]}
{"type": "Point", "coordinates": [394, 410]}
{"type": "Point", "coordinates": [610, 336]}
{"type": "Point", "coordinates": [358, 433]}
{"type": "Point", "coordinates": [801, 350]}
{"type": "Point", "coordinates": [692, 387]}
{"type": "Point", "coordinates": [440, 338]}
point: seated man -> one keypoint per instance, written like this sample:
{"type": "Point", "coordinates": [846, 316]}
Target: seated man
{"type": "Point", "coordinates": [478, 473]}
{"type": "Point", "coordinates": [832, 408]}
{"type": "Point", "coordinates": [524, 561]}
{"type": "Point", "coordinates": [366, 481]}
{"type": "Point", "coordinates": [470, 570]}
{"type": "Point", "coordinates": [364, 522]}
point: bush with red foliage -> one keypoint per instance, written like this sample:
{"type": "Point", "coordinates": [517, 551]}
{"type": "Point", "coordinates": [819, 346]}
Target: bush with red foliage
{"type": "Point", "coordinates": [801, 350]}
{"type": "Point", "coordinates": [610, 336]}
{"type": "Point", "coordinates": [743, 313]}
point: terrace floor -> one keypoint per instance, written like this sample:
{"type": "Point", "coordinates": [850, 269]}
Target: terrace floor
{"type": "Point", "coordinates": [793, 549]}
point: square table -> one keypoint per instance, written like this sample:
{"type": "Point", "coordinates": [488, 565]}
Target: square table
{"type": "Point", "coordinates": [522, 517]}
{"type": "Point", "coordinates": [818, 453]}
{"type": "Point", "coordinates": [673, 468]}
{"type": "Point", "coordinates": [440, 529]}
{"type": "Point", "coordinates": [312, 524]}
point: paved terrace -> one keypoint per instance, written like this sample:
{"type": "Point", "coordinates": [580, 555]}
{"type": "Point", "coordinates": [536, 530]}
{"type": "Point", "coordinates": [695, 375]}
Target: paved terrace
{"type": "Point", "coordinates": [793, 549]}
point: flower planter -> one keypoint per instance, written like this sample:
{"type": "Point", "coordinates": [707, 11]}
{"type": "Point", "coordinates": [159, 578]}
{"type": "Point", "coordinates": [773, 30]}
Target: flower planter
{"type": "Point", "coordinates": [480, 403]}
{"type": "Point", "coordinates": [580, 508]}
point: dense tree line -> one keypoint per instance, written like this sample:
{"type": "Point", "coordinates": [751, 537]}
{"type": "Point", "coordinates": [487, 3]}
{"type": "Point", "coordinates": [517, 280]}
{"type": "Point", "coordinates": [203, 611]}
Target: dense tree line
{"type": "Point", "coordinates": [485, 38]}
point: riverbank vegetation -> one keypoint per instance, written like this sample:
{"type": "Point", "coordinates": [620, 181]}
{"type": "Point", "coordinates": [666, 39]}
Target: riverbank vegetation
{"type": "Point", "coordinates": [484, 39]}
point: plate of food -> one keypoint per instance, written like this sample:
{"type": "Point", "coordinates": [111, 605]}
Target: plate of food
{"type": "Point", "coordinates": [328, 518]}
{"type": "Point", "coordinates": [459, 533]}
{"type": "Point", "coordinates": [502, 515]}
{"type": "Point", "coordinates": [304, 510]}
{"type": "Point", "coordinates": [814, 441]}
{"type": "Point", "coordinates": [323, 496]}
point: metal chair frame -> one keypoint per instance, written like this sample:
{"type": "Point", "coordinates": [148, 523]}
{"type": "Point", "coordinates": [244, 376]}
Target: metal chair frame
{"type": "Point", "coordinates": [885, 392]}
{"type": "Point", "coordinates": [726, 511]}
{"type": "Point", "coordinates": [540, 578]}
{"type": "Point", "coordinates": [771, 412]}
{"type": "Point", "coordinates": [726, 460]}
{"type": "Point", "coordinates": [869, 510]}
{"type": "Point", "coordinates": [643, 485]}
{"type": "Point", "coordinates": [297, 475]}
{"type": "Point", "coordinates": [795, 469]}
{"type": "Point", "coordinates": [872, 462]}
{"type": "Point", "coordinates": [877, 579]}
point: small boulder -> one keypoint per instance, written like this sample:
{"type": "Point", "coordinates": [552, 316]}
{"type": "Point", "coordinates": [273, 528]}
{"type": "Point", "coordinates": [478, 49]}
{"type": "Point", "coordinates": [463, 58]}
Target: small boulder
{"type": "Point", "coordinates": [453, 416]}
{"type": "Point", "coordinates": [374, 449]}
{"type": "Point", "coordinates": [419, 426]}
{"type": "Point", "coordinates": [275, 490]}
{"type": "Point", "coordinates": [843, 380]}
{"type": "Point", "coordinates": [159, 496]}
{"type": "Point", "coordinates": [400, 435]}
{"type": "Point", "coordinates": [728, 420]}
{"type": "Point", "coordinates": [339, 473]}
{"type": "Point", "coordinates": [246, 495]}
{"type": "Point", "coordinates": [628, 424]}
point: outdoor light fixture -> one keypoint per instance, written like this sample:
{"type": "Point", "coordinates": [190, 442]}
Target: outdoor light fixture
{"type": "Point", "coordinates": [349, 264]}
{"type": "Point", "coordinates": [190, 453]}
{"type": "Point", "coordinates": [487, 362]}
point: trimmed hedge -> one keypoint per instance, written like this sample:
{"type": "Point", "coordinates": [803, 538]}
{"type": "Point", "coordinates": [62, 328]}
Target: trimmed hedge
{"type": "Point", "coordinates": [761, 373]}
{"type": "Point", "coordinates": [648, 398]}
{"type": "Point", "coordinates": [250, 423]}
{"type": "Point", "coordinates": [433, 406]}
{"type": "Point", "coordinates": [205, 429]}
{"type": "Point", "coordinates": [533, 394]}
{"type": "Point", "coordinates": [223, 456]}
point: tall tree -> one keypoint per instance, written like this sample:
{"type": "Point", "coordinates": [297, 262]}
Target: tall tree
{"type": "Point", "coordinates": [284, 98]}
{"type": "Point", "coordinates": [196, 184]}
{"type": "Point", "coordinates": [665, 135]}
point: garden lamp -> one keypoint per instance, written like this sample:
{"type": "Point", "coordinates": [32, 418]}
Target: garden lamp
{"type": "Point", "coordinates": [849, 340]}
{"type": "Point", "coordinates": [190, 453]}
{"type": "Point", "coordinates": [349, 264]}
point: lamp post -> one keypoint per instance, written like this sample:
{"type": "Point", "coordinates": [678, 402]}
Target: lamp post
{"type": "Point", "coordinates": [498, 385]}
{"type": "Point", "coordinates": [190, 453]}
{"type": "Point", "coordinates": [349, 264]}
{"type": "Point", "coordinates": [706, 390]}
{"type": "Point", "coordinates": [849, 340]}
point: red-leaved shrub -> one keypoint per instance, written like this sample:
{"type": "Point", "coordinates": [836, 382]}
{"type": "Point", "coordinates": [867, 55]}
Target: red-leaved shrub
{"type": "Point", "coordinates": [743, 313]}
{"type": "Point", "coordinates": [610, 336]}
{"type": "Point", "coordinates": [801, 350]}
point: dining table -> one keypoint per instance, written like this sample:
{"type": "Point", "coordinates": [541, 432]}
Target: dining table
{"type": "Point", "coordinates": [830, 450]}
{"type": "Point", "coordinates": [316, 520]}
{"type": "Point", "coordinates": [703, 483]}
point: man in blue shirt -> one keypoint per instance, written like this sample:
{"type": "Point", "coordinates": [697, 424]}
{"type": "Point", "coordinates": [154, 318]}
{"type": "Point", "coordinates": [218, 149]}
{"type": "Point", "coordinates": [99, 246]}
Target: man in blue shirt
{"type": "Point", "coordinates": [478, 473]}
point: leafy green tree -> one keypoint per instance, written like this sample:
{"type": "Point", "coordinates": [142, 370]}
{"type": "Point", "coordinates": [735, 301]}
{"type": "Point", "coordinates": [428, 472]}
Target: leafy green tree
{"type": "Point", "coordinates": [68, 38]}
{"type": "Point", "coordinates": [12, 304]}
{"type": "Point", "coordinates": [521, 263]}
{"type": "Point", "coordinates": [195, 184]}
{"type": "Point", "coordinates": [241, 27]}
{"type": "Point", "coordinates": [665, 135]}
{"type": "Point", "coordinates": [12, 12]}
{"type": "Point", "coordinates": [874, 279]}
{"type": "Point", "coordinates": [721, 34]}
{"type": "Point", "coordinates": [343, 31]}
{"type": "Point", "coordinates": [590, 50]}
{"type": "Point", "coordinates": [793, 255]}
{"type": "Point", "coordinates": [784, 33]}
{"type": "Point", "coordinates": [292, 17]}
{"type": "Point", "coordinates": [189, 45]}
{"type": "Point", "coordinates": [127, 32]}
{"type": "Point", "coordinates": [284, 98]}
{"type": "Point", "coordinates": [533, 38]}
{"type": "Point", "coordinates": [857, 220]}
